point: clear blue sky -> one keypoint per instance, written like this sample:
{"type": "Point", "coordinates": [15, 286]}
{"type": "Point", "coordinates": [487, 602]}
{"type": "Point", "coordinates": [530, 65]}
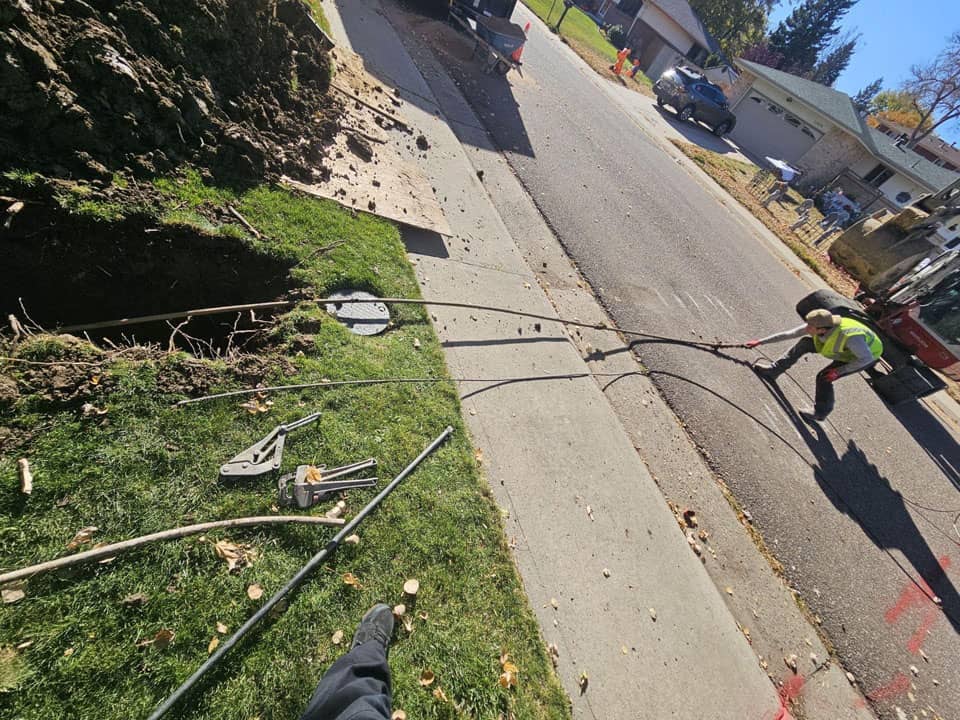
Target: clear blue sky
{"type": "Point", "coordinates": [894, 34]}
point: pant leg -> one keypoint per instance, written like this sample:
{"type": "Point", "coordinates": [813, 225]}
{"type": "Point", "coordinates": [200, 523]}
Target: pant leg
{"type": "Point", "coordinates": [802, 347]}
{"type": "Point", "coordinates": [355, 687]}
{"type": "Point", "coordinates": [824, 397]}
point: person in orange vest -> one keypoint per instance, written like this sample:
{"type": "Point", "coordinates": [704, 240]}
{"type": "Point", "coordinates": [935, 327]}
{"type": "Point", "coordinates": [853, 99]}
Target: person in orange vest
{"type": "Point", "coordinates": [621, 57]}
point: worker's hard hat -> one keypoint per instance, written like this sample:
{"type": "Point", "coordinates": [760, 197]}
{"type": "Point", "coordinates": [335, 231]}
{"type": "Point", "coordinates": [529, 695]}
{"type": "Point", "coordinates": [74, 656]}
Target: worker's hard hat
{"type": "Point", "coordinates": [822, 319]}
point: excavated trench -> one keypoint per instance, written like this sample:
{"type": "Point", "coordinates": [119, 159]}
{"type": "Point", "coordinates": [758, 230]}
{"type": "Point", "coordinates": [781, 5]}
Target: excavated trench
{"type": "Point", "coordinates": [62, 270]}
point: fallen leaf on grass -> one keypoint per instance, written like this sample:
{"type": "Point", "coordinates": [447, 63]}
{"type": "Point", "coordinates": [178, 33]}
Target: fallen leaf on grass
{"type": "Point", "coordinates": [337, 637]}
{"type": "Point", "coordinates": [255, 592]}
{"type": "Point", "coordinates": [398, 715]}
{"type": "Point", "coordinates": [583, 681]}
{"type": "Point", "coordinates": [160, 640]}
{"type": "Point", "coordinates": [90, 410]}
{"type": "Point", "coordinates": [238, 556]}
{"type": "Point", "coordinates": [352, 540]}
{"type": "Point", "coordinates": [12, 595]}
{"type": "Point", "coordinates": [83, 536]}
{"type": "Point", "coordinates": [135, 600]}
{"type": "Point", "coordinates": [408, 623]}
{"type": "Point", "coordinates": [313, 474]}
{"type": "Point", "coordinates": [221, 628]}
{"type": "Point", "coordinates": [214, 641]}
{"type": "Point", "coordinates": [351, 580]}
{"type": "Point", "coordinates": [423, 615]}
{"type": "Point", "coordinates": [411, 587]}
{"type": "Point", "coordinates": [256, 405]}
{"type": "Point", "coordinates": [399, 610]}
{"type": "Point", "coordinates": [508, 678]}
{"type": "Point", "coordinates": [24, 645]}
{"type": "Point", "coordinates": [439, 694]}
{"type": "Point", "coordinates": [427, 677]}
{"type": "Point", "coordinates": [69, 651]}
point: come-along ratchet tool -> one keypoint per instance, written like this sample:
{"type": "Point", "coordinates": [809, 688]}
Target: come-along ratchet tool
{"type": "Point", "coordinates": [263, 456]}
{"type": "Point", "coordinates": [312, 484]}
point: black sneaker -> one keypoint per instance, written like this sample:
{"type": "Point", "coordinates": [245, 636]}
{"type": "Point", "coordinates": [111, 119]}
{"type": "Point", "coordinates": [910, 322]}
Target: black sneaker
{"type": "Point", "coordinates": [767, 370]}
{"type": "Point", "coordinates": [811, 418]}
{"type": "Point", "coordinates": [376, 626]}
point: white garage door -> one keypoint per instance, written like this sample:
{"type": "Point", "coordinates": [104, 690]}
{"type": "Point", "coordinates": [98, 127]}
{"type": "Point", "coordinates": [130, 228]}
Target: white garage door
{"type": "Point", "coordinates": [766, 129]}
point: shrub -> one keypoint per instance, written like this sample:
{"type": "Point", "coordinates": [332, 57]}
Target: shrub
{"type": "Point", "coordinates": [617, 36]}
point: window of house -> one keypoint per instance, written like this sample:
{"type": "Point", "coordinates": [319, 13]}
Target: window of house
{"type": "Point", "coordinates": [775, 109]}
{"type": "Point", "coordinates": [697, 55]}
{"type": "Point", "coordinates": [878, 176]}
{"type": "Point", "coordinates": [630, 7]}
{"type": "Point", "coordinates": [808, 132]}
{"type": "Point", "coordinates": [902, 197]}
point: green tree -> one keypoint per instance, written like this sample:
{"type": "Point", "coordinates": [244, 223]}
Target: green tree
{"type": "Point", "coordinates": [864, 99]}
{"type": "Point", "coordinates": [736, 24]}
{"type": "Point", "coordinates": [807, 32]}
{"type": "Point", "coordinates": [835, 61]}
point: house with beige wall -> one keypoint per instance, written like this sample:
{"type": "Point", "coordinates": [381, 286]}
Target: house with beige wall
{"type": "Point", "coordinates": [661, 33]}
{"type": "Point", "coordinates": [818, 130]}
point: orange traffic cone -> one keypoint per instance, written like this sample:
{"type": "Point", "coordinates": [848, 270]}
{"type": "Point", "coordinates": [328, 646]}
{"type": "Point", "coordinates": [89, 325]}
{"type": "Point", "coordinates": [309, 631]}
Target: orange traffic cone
{"type": "Point", "coordinates": [519, 51]}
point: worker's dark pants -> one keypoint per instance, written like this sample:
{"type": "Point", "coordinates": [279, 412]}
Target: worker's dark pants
{"type": "Point", "coordinates": [355, 687]}
{"type": "Point", "coordinates": [823, 399]}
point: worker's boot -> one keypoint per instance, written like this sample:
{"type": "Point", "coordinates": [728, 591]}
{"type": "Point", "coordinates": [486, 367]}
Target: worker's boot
{"type": "Point", "coordinates": [376, 626]}
{"type": "Point", "coordinates": [812, 417]}
{"type": "Point", "coordinates": [768, 370]}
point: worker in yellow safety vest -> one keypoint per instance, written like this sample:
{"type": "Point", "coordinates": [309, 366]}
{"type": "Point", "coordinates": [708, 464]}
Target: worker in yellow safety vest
{"type": "Point", "coordinates": [850, 345]}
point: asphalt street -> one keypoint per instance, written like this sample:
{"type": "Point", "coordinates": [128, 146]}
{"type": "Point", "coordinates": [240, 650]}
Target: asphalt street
{"type": "Point", "coordinates": [860, 512]}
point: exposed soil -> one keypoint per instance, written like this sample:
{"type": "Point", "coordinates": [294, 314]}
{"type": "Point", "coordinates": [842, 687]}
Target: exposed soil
{"type": "Point", "coordinates": [140, 86]}
{"type": "Point", "coordinates": [71, 270]}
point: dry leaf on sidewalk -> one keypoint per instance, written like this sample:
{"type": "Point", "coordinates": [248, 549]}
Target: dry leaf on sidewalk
{"type": "Point", "coordinates": [583, 681]}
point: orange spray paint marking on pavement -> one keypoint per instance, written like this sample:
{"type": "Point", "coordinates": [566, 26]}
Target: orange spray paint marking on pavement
{"type": "Point", "coordinates": [896, 687]}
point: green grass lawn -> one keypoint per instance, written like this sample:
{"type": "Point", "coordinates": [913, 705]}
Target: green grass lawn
{"type": "Point", "coordinates": [69, 648]}
{"type": "Point", "coordinates": [583, 35]}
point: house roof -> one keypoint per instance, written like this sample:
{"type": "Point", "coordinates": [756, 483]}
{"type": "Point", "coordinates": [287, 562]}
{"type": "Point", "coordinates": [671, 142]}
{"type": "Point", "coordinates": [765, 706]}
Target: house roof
{"type": "Point", "coordinates": [684, 15]}
{"type": "Point", "coordinates": [839, 108]}
{"type": "Point", "coordinates": [932, 142]}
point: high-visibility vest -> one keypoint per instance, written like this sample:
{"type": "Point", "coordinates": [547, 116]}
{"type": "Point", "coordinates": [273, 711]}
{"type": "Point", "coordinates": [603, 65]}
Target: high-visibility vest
{"type": "Point", "coordinates": [834, 345]}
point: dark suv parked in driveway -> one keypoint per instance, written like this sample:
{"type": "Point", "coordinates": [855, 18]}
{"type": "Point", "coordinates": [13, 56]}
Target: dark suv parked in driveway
{"type": "Point", "coordinates": [695, 98]}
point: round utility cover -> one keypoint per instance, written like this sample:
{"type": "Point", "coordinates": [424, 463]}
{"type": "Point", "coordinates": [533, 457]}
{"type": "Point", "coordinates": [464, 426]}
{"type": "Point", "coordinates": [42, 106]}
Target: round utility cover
{"type": "Point", "coordinates": [360, 318]}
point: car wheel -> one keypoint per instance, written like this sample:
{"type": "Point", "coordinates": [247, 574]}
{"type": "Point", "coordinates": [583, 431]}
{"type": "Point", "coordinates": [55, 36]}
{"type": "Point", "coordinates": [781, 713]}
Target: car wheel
{"type": "Point", "coordinates": [721, 129]}
{"type": "Point", "coordinates": [659, 101]}
{"type": "Point", "coordinates": [686, 113]}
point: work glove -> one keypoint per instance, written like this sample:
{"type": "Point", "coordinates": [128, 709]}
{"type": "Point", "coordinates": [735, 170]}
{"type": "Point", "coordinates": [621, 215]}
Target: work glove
{"type": "Point", "coordinates": [751, 343]}
{"type": "Point", "coordinates": [830, 375]}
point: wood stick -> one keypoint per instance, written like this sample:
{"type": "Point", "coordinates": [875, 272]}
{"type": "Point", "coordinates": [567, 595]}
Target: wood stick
{"type": "Point", "coordinates": [126, 545]}
{"type": "Point", "coordinates": [389, 116]}
{"type": "Point", "coordinates": [26, 477]}
{"type": "Point", "coordinates": [242, 219]}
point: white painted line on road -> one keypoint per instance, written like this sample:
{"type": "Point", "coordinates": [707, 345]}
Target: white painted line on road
{"type": "Point", "coordinates": [724, 308]}
{"type": "Point", "coordinates": [680, 301]}
{"type": "Point", "coordinates": [662, 298]}
{"type": "Point", "coordinates": [694, 301]}
{"type": "Point", "coordinates": [712, 303]}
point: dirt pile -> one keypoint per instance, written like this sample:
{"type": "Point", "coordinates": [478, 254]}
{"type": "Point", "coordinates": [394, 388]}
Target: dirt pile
{"type": "Point", "coordinates": [140, 86]}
